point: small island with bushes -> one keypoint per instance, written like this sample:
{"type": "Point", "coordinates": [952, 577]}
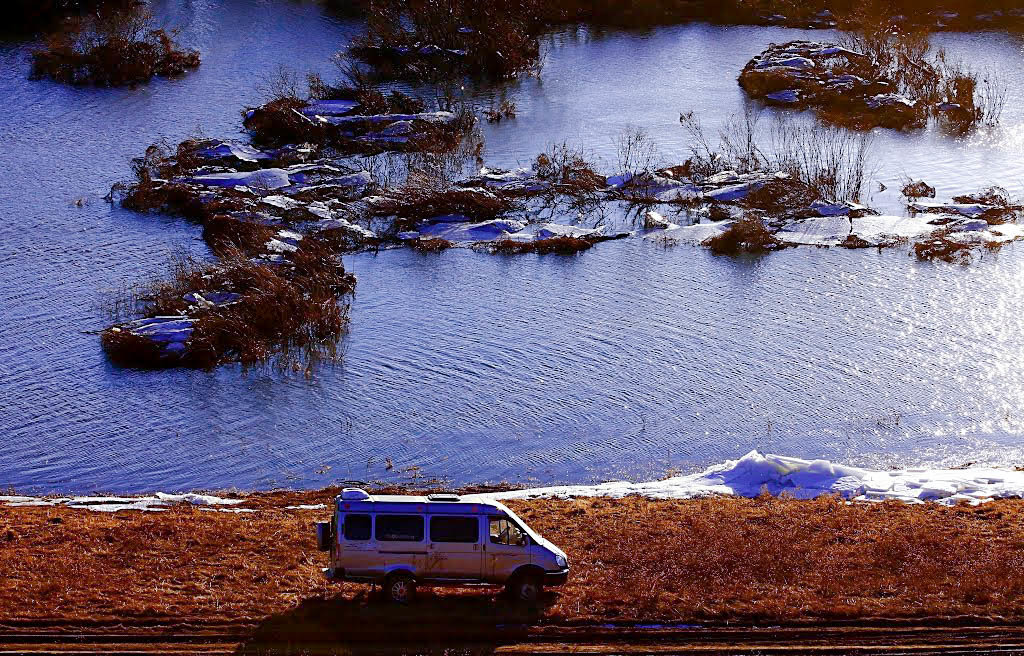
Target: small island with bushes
{"type": "Point", "coordinates": [111, 47]}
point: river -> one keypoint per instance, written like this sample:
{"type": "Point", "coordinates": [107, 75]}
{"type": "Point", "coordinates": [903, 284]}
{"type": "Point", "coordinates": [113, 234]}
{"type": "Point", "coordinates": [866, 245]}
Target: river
{"type": "Point", "coordinates": [631, 360]}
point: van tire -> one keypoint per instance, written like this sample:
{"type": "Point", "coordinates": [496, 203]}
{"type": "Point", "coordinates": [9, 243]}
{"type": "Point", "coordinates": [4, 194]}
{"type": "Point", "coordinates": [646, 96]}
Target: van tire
{"type": "Point", "coordinates": [400, 588]}
{"type": "Point", "coordinates": [525, 588]}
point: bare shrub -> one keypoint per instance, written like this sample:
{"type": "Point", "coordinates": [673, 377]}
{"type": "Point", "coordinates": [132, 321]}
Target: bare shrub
{"type": "Point", "coordinates": [830, 161]}
{"type": "Point", "coordinates": [635, 151]}
{"type": "Point", "coordinates": [567, 168]}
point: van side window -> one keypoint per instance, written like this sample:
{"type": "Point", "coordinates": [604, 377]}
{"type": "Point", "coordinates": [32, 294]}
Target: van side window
{"type": "Point", "coordinates": [400, 528]}
{"type": "Point", "coordinates": [503, 531]}
{"type": "Point", "coordinates": [454, 529]}
{"type": "Point", "coordinates": [357, 527]}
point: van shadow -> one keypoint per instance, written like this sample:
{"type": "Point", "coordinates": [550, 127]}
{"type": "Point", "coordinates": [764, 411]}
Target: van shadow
{"type": "Point", "coordinates": [367, 624]}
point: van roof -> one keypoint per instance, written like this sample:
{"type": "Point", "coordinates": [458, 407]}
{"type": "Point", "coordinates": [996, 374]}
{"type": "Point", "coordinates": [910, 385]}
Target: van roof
{"type": "Point", "coordinates": [418, 504]}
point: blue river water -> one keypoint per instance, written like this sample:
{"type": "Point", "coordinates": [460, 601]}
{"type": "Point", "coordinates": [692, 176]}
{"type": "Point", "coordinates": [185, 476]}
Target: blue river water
{"type": "Point", "coordinates": [632, 360]}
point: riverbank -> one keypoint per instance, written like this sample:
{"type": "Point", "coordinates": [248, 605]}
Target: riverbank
{"type": "Point", "coordinates": [698, 561]}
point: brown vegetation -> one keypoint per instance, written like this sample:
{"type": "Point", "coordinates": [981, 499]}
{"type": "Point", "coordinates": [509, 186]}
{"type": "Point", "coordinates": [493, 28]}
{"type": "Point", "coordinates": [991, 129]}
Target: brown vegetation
{"type": "Point", "coordinates": [748, 235]}
{"type": "Point", "coordinates": [435, 245]}
{"type": "Point", "coordinates": [706, 560]}
{"type": "Point", "coordinates": [551, 245]}
{"type": "Point", "coordinates": [430, 41]}
{"type": "Point", "coordinates": [940, 246]}
{"type": "Point", "coordinates": [114, 46]}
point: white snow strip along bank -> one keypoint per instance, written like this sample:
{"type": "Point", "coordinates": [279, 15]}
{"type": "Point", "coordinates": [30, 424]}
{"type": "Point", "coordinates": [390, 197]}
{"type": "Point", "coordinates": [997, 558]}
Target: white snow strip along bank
{"type": "Point", "coordinates": [156, 502]}
{"type": "Point", "coordinates": [748, 476]}
{"type": "Point", "coordinates": [804, 479]}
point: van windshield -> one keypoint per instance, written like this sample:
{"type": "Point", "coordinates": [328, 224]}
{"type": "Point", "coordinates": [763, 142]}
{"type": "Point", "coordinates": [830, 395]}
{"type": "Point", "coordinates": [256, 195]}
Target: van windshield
{"type": "Point", "coordinates": [529, 531]}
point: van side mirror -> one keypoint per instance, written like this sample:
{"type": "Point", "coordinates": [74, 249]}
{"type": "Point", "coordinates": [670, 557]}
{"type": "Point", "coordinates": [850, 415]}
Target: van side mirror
{"type": "Point", "coordinates": [523, 540]}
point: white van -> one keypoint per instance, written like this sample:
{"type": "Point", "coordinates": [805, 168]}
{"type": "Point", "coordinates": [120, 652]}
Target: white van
{"type": "Point", "coordinates": [441, 539]}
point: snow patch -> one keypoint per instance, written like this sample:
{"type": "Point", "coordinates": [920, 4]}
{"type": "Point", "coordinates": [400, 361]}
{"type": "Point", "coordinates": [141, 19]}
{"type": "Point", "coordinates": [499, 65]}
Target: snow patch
{"type": "Point", "coordinates": [755, 473]}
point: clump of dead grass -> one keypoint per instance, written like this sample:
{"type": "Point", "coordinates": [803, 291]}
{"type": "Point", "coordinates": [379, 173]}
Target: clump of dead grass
{"type": "Point", "coordinates": [553, 245]}
{"type": "Point", "coordinates": [115, 45]}
{"type": "Point", "coordinates": [435, 245]}
{"type": "Point", "coordinates": [748, 235]}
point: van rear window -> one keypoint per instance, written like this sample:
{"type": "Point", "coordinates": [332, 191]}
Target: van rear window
{"type": "Point", "coordinates": [357, 527]}
{"type": "Point", "coordinates": [454, 529]}
{"type": "Point", "coordinates": [400, 528]}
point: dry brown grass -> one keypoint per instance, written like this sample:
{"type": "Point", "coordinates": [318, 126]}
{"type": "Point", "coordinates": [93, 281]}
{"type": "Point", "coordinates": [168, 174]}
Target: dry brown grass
{"type": "Point", "coordinates": [748, 235]}
{"type": "Point", "coordinates": [939, 246]}
{"type": "Point", "coordinates": [705, 560]}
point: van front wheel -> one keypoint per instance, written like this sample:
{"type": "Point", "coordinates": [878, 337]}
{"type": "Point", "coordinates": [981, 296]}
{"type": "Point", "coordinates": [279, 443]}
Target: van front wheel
{"type": "Point", "coordinates": [525, 588]}
{"type": "Point", "coordinates": [400, 588]}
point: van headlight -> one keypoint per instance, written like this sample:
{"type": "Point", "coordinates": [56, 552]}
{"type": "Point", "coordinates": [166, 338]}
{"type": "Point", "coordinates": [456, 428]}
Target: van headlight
{"type": "Point", "coordinates": [561, 561]}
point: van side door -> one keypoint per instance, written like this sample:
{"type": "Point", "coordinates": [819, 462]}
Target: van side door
{"type": "Point", "coordinates": [453, 549]}
{"type": "Point", "coordinates": [401, 541]}
{"type": "Point", "coordinates": [506, 550]}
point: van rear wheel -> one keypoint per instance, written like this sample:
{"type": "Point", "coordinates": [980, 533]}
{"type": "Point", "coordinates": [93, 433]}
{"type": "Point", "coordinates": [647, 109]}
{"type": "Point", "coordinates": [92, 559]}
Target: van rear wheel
{"type": "Point", "coordinates": [525, 588]}
{"type": "Point", "coordinates": [400, 588]}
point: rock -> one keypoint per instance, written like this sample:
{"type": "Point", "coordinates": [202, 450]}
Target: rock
{"type": "Point", "coordinates": [211, 299]}
{"type": "Point", "coordinates": [895, 111]}
{"type": "Point", "coordinates": [653, 221]}
{"type": "Point", "coordinates": [961, 209]}
{"type": "Point", "coordinates": [386, 119]}
{"type": "Point", "coordinates": [845, 208]}
{"type": "Point", "coordinates": [550, 230]}
{"type": "Point", "coordinates": [884, 230]}
{"type": "Point", "coordinates": [785, 97]}
{"type": "Point", "coordinates": [403, 128]}
{"type": "Point", "coordinates": [261, 179]}
{"type": "Point", "coordinates": [823, 231]}
{"type": "Point", "coordinates": [809, 73]}
{"type": "Point", "coordinates": [473, 232]}
{"type": "Point", "coordinates": [696, 233]}
{"type": "Point", "coordinates": [735, 192]}
{"type": "Point", "coordinates": [162, 330]}
{"type": "Point", "coordinates": [800, 63]}
{"type": "Point", "coordinates": [232, 152]}
{"type": "Point", "coordinates": [918, 189]}
{"type": "Point", "coordinates": [653, 187]}
{"type": "Point", "coordinates": [283, 203]}
{"type": "Point", "coordinates": [348, 228]}
{"type": "Point", "coordinates": [969, 225]}
{"type": "Point", "coordinates": [330, 108]}
{"type": "Point", "coordinates": [450, 218]}
{"type": "Point", "coordinates": [517, 180]}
